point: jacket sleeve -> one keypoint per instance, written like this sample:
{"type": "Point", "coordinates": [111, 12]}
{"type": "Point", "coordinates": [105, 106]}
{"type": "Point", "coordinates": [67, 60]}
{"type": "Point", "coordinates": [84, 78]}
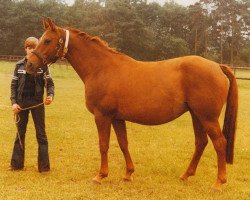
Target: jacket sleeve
{"type": "Point", "coordinates": [14, 86]}
{"type": "Point", "coordinates": [49, 83]}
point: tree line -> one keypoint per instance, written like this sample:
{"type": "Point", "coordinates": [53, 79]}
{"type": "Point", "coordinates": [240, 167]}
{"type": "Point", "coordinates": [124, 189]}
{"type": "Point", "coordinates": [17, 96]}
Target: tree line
{"type": "Point", "coordinates": [215, 29]}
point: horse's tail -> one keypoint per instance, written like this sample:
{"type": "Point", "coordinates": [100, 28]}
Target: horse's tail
{"type": "Point", "coordinates": [229, 127]}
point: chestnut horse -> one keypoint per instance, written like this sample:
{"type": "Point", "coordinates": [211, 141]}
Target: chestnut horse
{"type": "Point", "coordinates": [119, 88]}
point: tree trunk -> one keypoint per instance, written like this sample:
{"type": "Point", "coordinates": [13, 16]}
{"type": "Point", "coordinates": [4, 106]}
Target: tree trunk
{"type": "Point", "coordinates": [195, 42]}
{"type": "Point", "coordinates": [221, 45]}
{"type": "Point", "coordinates": [205, 41]}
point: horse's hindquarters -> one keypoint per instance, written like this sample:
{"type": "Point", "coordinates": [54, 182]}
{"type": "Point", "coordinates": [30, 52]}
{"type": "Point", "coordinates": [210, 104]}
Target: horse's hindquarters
{"type": "Point", "coordinates": [206, 88]}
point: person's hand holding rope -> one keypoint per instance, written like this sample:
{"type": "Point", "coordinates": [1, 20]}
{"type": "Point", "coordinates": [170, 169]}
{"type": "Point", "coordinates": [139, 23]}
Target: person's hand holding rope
{"type": "Point", "coordinates": [16, 108]}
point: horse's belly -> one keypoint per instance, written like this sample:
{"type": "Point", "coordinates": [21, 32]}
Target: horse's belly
{"type": "Point", "coordinates": [152, 115]}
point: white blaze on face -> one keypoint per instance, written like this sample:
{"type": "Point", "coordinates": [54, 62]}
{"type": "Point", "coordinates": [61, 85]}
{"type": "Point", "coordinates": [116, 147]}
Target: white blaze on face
{"type": "Point", "coordinates": [40, 39]}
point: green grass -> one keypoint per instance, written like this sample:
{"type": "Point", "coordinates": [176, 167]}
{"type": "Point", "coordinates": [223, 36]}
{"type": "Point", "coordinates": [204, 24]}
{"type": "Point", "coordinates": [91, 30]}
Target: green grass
{"type": "Point", "coordinates": [160, 153]}
{"type": "Point", "coordinates": [240, 73]}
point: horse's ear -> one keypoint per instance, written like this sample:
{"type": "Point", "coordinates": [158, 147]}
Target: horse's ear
{"type": "Point", "coordinates": [48, 23]}
{"type": "Point", "coordinates": [45, 23]}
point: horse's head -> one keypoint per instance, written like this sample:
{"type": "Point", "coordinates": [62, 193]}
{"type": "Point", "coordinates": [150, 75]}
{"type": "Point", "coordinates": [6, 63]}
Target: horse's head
{"type": "Point", "coordinates": [50, 47]}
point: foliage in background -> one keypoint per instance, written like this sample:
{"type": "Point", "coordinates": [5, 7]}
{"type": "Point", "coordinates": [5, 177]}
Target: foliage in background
{"type": "Point", "coordinates": [216, 29]}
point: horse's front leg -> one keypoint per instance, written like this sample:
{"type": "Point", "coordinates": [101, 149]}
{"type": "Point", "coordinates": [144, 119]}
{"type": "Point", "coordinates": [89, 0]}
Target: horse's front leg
{"type": "Point", "coordinates": [103, 124]}
{"type": "Point", "coordinates": [121, 133]}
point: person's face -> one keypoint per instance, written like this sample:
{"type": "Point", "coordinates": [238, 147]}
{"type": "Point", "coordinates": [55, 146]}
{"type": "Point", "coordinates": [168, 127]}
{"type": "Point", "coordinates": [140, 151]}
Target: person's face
{"type": "Point", "coordinates": [29, 50]}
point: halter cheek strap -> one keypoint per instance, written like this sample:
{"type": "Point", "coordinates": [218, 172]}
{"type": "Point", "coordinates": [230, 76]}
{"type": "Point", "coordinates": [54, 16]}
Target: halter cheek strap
{"type": "Point", "coordinates": [65, 49]}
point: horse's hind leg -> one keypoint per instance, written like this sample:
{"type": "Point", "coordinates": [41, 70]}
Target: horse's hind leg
{"type": "Point", "coordinates": [201, 141]}
{"type": "Point", "coordinates": [219, 142]}
{"type": "Point", "coordinates": [121, 133]}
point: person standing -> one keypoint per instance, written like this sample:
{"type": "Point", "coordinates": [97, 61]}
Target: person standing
{"type": "Point", "coordinates": [27, 93]}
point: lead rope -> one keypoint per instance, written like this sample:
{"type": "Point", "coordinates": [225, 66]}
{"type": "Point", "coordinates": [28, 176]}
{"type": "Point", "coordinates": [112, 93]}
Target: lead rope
{"type": "Point", "coordinates": [17, 117]}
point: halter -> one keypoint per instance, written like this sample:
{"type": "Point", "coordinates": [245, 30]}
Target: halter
{"type": "Point", "coordinates": [59, 47]}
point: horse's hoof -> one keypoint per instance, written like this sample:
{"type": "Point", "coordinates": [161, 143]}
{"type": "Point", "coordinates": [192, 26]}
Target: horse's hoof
{"type": "Point", "coordinates": [128, 178]}
{"type": "Point", "coordinates": [216, 187]}
{"type": "Point", "coordinates": [184, 177]}
{"type": "Point", "coordinates": [97, 180]}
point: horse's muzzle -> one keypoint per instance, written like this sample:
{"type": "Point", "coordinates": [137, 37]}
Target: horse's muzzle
{"type": "Point", "coordinates": [30, 69]}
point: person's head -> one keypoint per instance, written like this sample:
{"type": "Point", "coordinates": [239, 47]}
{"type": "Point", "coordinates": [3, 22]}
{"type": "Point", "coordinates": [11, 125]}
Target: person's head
{"type": "Point", "coordinates": [30, 44]}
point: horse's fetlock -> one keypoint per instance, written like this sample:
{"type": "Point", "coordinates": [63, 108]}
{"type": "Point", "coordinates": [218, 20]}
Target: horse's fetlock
{"type": "Point", "coordinates": [131, 170]}
{"type": "Point", "coordinates": [223, 180]}
{"type": "Point", "coordinates": [103, 174]}
{"type": "Point", "coordinates": [191, 173]}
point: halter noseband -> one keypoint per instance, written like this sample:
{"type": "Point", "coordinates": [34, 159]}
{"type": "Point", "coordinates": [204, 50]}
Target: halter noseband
{"type": "Point", "coordinates": [59, 47]}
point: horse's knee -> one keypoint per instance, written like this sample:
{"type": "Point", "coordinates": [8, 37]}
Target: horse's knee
{"type": "Point", "coordinates": [103, 148]}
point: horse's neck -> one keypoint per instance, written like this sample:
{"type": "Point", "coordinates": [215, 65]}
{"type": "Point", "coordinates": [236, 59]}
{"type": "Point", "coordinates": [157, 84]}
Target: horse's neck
{"type": "Point", "coordinates": [85, 57]}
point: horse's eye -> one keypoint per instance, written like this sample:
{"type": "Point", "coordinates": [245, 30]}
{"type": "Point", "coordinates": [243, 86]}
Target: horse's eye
{"type": "Point", "coordinates": [47, 41]}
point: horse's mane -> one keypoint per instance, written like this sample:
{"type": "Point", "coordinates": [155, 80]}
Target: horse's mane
{"type": "Point", "coordinates": [94, 39]}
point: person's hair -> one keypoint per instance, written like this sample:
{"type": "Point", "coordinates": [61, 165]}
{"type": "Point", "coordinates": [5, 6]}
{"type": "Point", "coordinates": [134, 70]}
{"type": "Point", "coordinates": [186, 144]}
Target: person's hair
{"type": "Point", "coordinates": [30, 42]}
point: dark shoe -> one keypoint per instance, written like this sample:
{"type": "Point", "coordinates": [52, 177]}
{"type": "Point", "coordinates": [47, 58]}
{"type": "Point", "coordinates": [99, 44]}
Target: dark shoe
{"type": "Point", "coordinates": [11, 168]}
{"type": "Point", "coordinates": [43, 170]}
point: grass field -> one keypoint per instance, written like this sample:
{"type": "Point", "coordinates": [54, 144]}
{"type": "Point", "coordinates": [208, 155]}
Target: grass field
{"type": "Point", "coordinates": [160, 153]}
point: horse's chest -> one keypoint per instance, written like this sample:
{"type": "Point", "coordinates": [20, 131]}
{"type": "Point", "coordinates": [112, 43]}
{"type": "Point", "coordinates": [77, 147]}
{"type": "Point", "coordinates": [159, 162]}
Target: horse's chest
{"type": "Point", "coordinates": [101, 102]}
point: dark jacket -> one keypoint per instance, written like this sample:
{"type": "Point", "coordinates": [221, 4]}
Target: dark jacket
{"type": "Point", "coordinates": [18, 81]}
